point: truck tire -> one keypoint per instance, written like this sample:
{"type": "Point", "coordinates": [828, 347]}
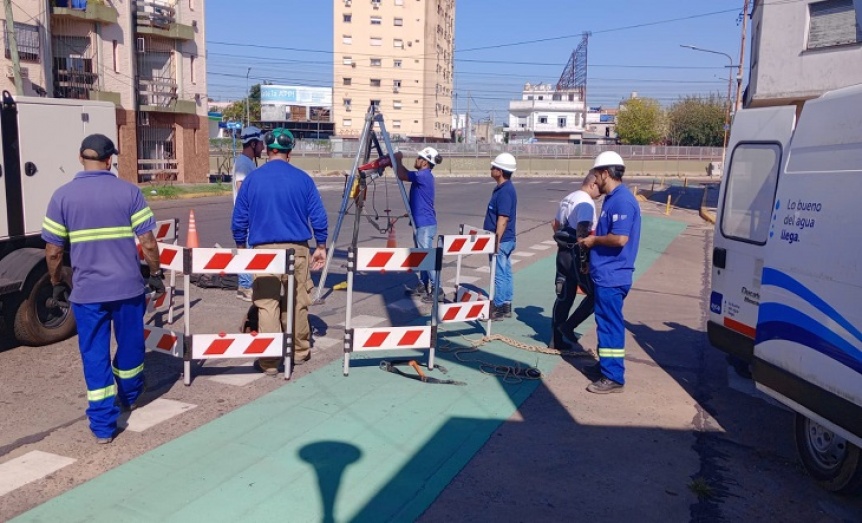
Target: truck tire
{"type": "Point", "coordinates": [835, 463]}
{"type": "Point", "coordinates": [35, 323]}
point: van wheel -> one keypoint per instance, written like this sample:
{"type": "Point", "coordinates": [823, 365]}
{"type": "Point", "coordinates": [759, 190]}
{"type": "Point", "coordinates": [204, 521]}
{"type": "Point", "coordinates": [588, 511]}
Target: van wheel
{"type": "Point", "coordinates": [835, 463]}
{"type": "Point", "coordinates": [35, 323]}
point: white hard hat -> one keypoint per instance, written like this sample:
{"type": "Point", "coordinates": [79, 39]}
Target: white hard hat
{"type": "Point", "coordinates": [608, 159]}
{"type": "Point", "coordinates": [506, 162]}
{"type": "Point", "coordinates": [430, 155]}
{"type": "Point", "coordinates": [250, 133]}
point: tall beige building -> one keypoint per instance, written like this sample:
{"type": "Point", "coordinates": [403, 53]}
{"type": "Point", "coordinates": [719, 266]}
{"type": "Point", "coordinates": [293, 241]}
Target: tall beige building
{"type": "Point", "coordinates": [148, 57]}
{"type": "Point", "coordinates": [396, 54]}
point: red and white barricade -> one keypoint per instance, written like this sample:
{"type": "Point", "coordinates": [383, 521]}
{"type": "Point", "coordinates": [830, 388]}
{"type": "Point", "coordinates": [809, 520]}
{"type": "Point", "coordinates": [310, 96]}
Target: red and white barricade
{"type": "Point", "coordinates": [256, 345]}
{"type": "Point", "coordinates": [469, 305]}
{"type": "Point", "coordinates": [158, 303]}
{"type": "Point", "coordinates": [164, 341]}
{"type": "Point", "coordinates": [390, 338]}
{"type": "Point", "coordinates": [167, 235]}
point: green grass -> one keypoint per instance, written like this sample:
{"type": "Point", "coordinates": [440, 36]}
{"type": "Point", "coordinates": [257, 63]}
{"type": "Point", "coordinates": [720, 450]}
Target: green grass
{"type": "Point", "coordinates": [173, 192]}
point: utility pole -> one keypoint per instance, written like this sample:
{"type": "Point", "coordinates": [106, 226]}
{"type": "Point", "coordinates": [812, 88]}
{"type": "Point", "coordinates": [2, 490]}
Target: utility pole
{"type": "Point", "coordinates": [736, 106]}
{"type": "Point", "coordinates": [247, 99]}
{"type": "Point", "coordinates": [467, 120]}
{"type": "Point", "coordinates": [12, 38]}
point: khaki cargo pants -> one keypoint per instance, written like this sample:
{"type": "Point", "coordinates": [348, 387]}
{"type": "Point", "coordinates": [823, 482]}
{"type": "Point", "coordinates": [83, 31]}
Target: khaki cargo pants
{"type": "Point", "coordinates": [269, 294]}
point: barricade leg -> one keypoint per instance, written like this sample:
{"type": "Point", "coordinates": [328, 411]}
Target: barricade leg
{"type": "Point", "coordinates": [351, 265]}
{"type": "Point", "coordinates": [288, 323]}
{"type": "Point", "coordinates": [488, 323]}
{"type": "Point", "coordinates": [187, 329]}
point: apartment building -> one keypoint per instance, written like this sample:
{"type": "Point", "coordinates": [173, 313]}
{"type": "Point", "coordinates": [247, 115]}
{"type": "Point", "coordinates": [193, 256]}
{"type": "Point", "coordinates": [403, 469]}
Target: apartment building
{"type": "Point", "coordinates": [146, 56]}
{"type": "Point", "coordinates": [801, 49]}
{"type": "Point", "coordinates": [546, 114]}
{"type": "Point", "coordinates": [397, 55]}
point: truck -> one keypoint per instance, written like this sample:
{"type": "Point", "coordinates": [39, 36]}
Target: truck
{"type": "Point", "coordinates": [40, 139]}
{"type": "Point", "coordinates": [787, 272]}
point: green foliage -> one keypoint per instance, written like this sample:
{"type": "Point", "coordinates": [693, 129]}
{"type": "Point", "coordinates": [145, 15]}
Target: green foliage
{"type": "Point", "coordinates": [697, 121]}
{"type": "Point", "coordinates": [640, 122]}
{"type": "Point", "coordinates": [236, 110]}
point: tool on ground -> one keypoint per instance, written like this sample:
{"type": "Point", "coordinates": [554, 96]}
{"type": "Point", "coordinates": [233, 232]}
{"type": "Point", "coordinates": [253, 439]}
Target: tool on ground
{"type": "Point", "coordinates": [392, 366]}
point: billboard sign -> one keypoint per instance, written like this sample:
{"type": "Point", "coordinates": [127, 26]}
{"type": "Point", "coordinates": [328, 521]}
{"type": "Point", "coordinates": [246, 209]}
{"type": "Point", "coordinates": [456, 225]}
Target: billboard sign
{"type": "Point", "coordinates": [296, 95]}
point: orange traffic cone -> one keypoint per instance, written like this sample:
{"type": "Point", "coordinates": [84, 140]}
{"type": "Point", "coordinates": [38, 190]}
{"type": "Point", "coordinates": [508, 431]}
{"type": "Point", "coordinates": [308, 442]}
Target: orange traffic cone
{"type": "Point", "coordinates": [192, 241]}
{"type": "Point", "coordinates": [391, 243]}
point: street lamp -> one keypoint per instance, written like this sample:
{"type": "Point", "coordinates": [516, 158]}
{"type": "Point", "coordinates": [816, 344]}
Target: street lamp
{"type": "Point", "coordinates": [729, 88]}
{"type": "Point", "coordinates": [247, 99]}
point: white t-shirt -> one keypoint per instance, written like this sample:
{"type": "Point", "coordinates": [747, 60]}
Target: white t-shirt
{"type": "Point", "coordinates": [242, 166]}
{"type": "Point", "coordinates": [575, 208]}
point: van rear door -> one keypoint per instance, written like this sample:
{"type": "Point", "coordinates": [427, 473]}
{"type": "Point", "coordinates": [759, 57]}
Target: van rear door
{"type": "Point", "coordinates": [758, 141]}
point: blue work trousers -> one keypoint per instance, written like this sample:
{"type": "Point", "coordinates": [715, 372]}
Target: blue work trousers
{"type": "Point", "coordinates": [425, 237]}
{"type": "Point", "coordinates": [245, 280]}
{"type": "Point", "coordinates": [504, 286]}
{"type": "Point", "coordinates": [106, 380]}
{"type": "Point", "coordinates": [611, 331]}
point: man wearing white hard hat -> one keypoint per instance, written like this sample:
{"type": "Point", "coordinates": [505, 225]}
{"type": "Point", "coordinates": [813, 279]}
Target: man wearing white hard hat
{"type": "Point", "coordinates": [422, 208]}
{"type": "Point", "coordinates": [501, 218]}
{"type": "Point", "coordinates": [245, 162]}
{"type": "Point", "coordinates": [613, 250]}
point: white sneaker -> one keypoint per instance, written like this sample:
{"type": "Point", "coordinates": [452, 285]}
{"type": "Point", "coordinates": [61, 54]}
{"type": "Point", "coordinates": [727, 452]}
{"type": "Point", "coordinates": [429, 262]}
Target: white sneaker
{"type": "Point", "coordinates": [243, 294]}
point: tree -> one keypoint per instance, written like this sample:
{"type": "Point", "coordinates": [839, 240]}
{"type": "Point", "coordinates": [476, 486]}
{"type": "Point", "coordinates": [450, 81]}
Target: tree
{"type": "Point", "coordinates": [640, 122]}
{"type": "Point", "coordinates": [236, 110]}
{"type": "Point", "coordinates": [697, 121]}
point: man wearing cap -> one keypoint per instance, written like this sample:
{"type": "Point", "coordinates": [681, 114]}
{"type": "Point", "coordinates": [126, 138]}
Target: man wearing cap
{"type": "Point", "coordinates": [98, 216]}
{"type": "Point", "coordinates": [422, 208]}
{"type": "Point", "coordinates": [279, 207]}
{"type": "Point", "coordinates": [613, 250]}
{"type": "Point", "coordinates": [243, 165]}
{"type": "Point", "coordinates": [501, 217]}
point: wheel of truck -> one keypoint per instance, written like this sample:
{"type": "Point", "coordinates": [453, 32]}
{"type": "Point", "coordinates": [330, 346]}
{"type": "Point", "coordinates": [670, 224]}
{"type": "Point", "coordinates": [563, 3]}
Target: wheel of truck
{"type": "Point", "coordinates": [835, 463]}
{"type": "Point", "coordinates": [35, 322]}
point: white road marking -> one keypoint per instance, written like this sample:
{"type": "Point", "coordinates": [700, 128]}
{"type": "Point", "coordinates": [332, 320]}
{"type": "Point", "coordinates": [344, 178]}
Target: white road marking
{"type": "Point", "coordinates": [404, 305]}
{"type": "Point", "coordinates": [549, 242]}
{"type": "Point", "coordinates": [152, 414]}
{"type": "Point", "coordinates": [516, 261]}
{"type": "Point", "coordinates": [484, 270]}
{"type": "Point", "coordinates": [365, 321]}
{"type": "Point", "coordinates": [524, 254]}
{"type": "Point", "coordinates": [466, 279]}
{"type": "Point", "coordinates": [238, 375]}
{"type": "Point", "coordinates": [558, 181]}
{"type": "Point", "coordinates": [28, 468]}
{"type": "Point", "coordinates": [540, 247]}
{"type": "Point", "coordinates": [326, 343]}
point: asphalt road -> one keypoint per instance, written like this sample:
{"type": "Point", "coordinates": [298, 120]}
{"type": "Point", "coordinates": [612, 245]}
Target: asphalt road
{"type": "Point", "coordinates": [742, 447]}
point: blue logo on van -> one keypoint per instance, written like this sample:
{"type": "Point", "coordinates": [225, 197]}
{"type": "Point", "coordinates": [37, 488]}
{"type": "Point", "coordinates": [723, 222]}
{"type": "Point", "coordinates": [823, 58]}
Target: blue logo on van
{"type": "Point", "coordinates": [715, 302]}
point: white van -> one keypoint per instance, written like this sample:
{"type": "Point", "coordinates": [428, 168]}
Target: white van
{"type": "Point", "coordinates": [787, 272]}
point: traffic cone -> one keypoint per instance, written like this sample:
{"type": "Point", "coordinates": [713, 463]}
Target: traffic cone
{"type": "Point", "coordinates": [391, 243]}
{"type": "Point", "coordinates": [192, 241]}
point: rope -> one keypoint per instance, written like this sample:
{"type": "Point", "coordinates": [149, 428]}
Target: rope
{"type": "Point", "coordinates": [509, 374]}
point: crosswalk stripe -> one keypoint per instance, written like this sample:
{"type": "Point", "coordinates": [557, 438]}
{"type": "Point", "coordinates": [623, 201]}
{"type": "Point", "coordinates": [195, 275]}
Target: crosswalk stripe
{"type": "Point", "coordinates": [524, 254]}
{"type": "Point", "coordinates": [28, 468]}
{"type": "Point", "coordinates": [466, 279]}
{"type": "Point", "coordinates": [483, 269]}
{"type": "Point", "coordinates": [238, 375]}
{"type": "Point", "coordinates": [153, 413]}
{"type": "Point", "coordinates": [364, 321]}
{"type": "Point", "coordinates": [540, 247]}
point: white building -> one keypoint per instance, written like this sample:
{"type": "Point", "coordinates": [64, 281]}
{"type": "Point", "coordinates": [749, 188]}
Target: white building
{"type": "Point", "coordinates": [801, 49]}
{"type": "Point", "coordinates": [545, 114]}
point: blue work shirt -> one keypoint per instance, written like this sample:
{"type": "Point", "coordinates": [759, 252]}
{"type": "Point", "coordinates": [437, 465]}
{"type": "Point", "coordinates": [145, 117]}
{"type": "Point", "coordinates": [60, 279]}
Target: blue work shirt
{"type": "Point", "coordinates": [99, 215]}
{"type": "Point", "coordinates": [278, 203]}
{"type": "Point", "coordinates": [621, 215]}
{"type": "Point", "coordinates": [504, 202]}
{"type": "Point", "coordinates": [422, 197]}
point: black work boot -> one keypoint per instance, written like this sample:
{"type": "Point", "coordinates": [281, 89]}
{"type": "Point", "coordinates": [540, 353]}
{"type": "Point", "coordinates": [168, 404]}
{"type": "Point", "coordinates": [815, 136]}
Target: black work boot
{"type": "Point", "coordinates": [502, 312]}
{"type": "Point", "coordinates": [418, 290]}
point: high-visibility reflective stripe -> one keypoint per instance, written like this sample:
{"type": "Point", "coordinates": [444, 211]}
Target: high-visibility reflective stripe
{"type": "Point", "coordinates": [107, 233]}
{"type": "Point", "coordinates": [612, 353]}
{"type": "Point", "coordinates": [141, 216]}
{"type": "Point", "coordinates": [128, 374]}
{"type": "Point", "coordinates": [55, 228]}
{"type": "Point", "coordinates": [102, 394]}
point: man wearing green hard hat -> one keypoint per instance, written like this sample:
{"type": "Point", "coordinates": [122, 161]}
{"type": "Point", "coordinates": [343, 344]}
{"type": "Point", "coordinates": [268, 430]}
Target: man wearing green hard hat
{"type": "Point", "coordinates": [279, 207]}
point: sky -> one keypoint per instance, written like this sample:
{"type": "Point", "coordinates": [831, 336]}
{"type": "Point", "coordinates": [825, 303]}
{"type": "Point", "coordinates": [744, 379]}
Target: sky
{"type": "Point", "coordinates": [634, 47]}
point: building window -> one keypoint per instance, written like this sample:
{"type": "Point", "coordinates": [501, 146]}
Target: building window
{"type": "Point", "coordinates": [116, 55]}
{"type": "Point", "coordinates": [348, 18]}
{"type": "Point", "coordinates": [376, 20]}
{"type": "Point", "coordinates": [396, 84]}
{"type": "Point", "coordinates": [831, 23]}
{"type": "Point", "coordinates": [396, 124]}
{"type": "Point", "coordinates": [530, 97]}
{"type": "Point", "coordinates": [191, 5]}
{"type": "Point", "coordinates": [376, 104]}
{"type": "Point", "coordinates": [396, 63]}
{"type": "Point", "coordinates": [376, 62]}
{"type": "Point", "coordinates": [348, 60]}
{"type": "Point", "coordinates": [399, 22]}
{"type": "Point", "coordinates": [399, 43]}
{"type": "Point", "coordinates": [348, 81]}
{"type": "Point", "coordinates": [561, 122]}
{"type": "Point", "coordinates": [376, 41]}
{"type": "Point", "coordinates": [375, 82]}
{"type": "Point", "coordinates": [399, 2]}
{"type": "Point", "coordinates": [543, 119]}
{"type": "Point", "coordinates": [192, 61]}
{"type": "Point", "coordinates": [396, 104]}
{"type": "Point", "coordinates": [347, 122]}
{"type": "Point", "coordinates": [347, 102]}
{"type": "Point", "coordinates": [29, 48]}
{"type": "Point", "coordinates": [346, 39]}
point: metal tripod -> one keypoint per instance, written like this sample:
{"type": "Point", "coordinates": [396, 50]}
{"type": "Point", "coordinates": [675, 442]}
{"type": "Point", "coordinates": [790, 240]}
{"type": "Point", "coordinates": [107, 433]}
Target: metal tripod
{"type": "Point", "coordinates": [368, 142]}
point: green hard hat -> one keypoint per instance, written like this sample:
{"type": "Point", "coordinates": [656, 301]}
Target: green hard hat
{"type": "Point", "coordinates": [280, 139]}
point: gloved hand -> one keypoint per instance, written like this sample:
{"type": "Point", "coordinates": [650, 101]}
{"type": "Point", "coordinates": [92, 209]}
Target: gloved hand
{"type": "Point", "coordinates": [156, 284]}
{"type": "Point", "coordinates": [59, 296]}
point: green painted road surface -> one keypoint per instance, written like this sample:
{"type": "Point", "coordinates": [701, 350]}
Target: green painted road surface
{"type": "Point", "coordinates": [369, 447]}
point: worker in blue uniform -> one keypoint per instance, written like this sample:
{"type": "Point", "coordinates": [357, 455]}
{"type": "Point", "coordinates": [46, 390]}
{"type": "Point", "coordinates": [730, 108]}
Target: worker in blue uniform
{"type": "Point", "coordinates": [98, 216]}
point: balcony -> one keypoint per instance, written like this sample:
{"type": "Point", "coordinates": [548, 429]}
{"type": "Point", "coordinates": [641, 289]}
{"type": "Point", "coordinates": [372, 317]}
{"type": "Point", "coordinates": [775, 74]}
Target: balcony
{"type": "Point", "coordinates": [74, 80]}
{"type": "Point", "coordinates": [94, 12]}
{"type": "Point", "coordinates": [526, 106]}
{"type": "Point", "coordinates": [159, 18]}
{"type": "Point", "coordinates": [161, 95]}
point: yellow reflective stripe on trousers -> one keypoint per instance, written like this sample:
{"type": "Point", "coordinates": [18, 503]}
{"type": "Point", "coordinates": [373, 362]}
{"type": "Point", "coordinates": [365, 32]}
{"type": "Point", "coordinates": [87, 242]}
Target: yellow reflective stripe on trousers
{"type": "Point", "coordinates": [106, 233]}
{"type": "Point", "coordinates": [102, 394]}
{"type": "Point", "coordinates": [141, 216]}
{"type": "Point", "coordinates": [55, 228]}
{"type": "Point", "coordinates": [612, 353]}
{"type": "Point", "coordinates": [128, 374]}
